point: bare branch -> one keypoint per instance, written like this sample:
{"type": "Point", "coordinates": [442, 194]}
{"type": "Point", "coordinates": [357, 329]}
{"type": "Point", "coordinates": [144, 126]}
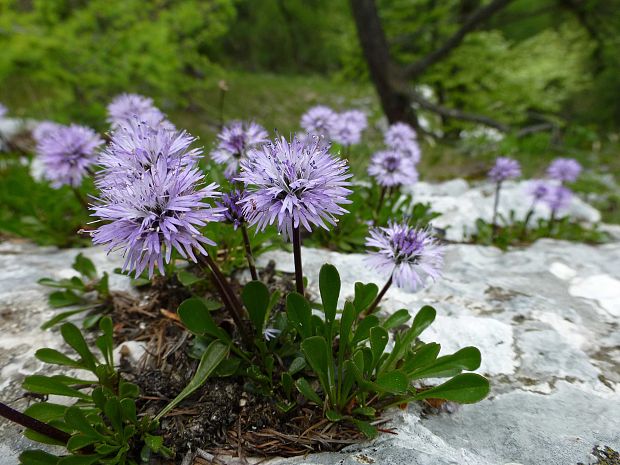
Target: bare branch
{"type": "Point", "coordinates": [457, 114]}
{"type": "Point", "coordinates": [471, 23]}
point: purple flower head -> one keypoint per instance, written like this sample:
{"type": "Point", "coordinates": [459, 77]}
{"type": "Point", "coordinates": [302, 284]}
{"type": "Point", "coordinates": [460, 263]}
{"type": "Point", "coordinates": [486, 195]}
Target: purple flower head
{"type": "Point", "coordinates": [564, 169]}
{"type": "Point", "coordinates": [412, 151]}
{"type": "Point", "coordinates": [3, 110]}
{"type": "Point", "coordinates": [399, 136]}
{"type": "Point", "coordinates": [505, 168]}
{"type": "Point", "coordinates": [43, 129]}
{"type": "Point", "coordinates": [558, 198]}
{"type": "Point", "coordinates": [158, 211]}
{"type": "Point", "coordinates": [538, 189]}
{"type": "Point", "coordinates": [346, 132]}
{"type": "Point", "coordinates": [392, 168]}
{"type": "Point", "coordinates": [136, 147]}
{"type": "Point", "coordinates": [129, 107]}
{"type": "Point", "coordinates": [406, 253]}
{"type": "Point", "coordinates": [356, 118]}
{"type": "Point", "coordinates": [67, 153]}
{"type": "Point", "coordinates": [234, 142]}
{"type": "Point", "coordinates": [296, 183]}
{"type": "Point", "coordinates": [233, 213]}
{"type": "Point", "coordinates": [318, 120]}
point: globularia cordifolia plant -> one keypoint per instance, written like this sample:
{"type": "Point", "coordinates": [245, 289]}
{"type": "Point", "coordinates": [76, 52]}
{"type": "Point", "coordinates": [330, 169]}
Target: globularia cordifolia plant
{"type": "Point", "coordinates": [294, 184]}
{"type": "Point", "coordinates": [505, 168]}
{"type": "Point", "coordinates": [319, 121]}
{"type": "Point", "coordinates": [564, 170]}
{"type": "Point", "coordinates": [128, 107]}
{"type": "Point", "coordinates": [234, 141]}
{"type": "Point", "coordinates": [68, 154]}
{"type": "Point", "coordinates": [391, 169]}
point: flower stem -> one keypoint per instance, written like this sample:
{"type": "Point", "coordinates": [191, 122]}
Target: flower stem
{"type": "Point", "coordinates": [528, 217]}
{"type": "Point", "coordinates": [495, 205]}
{"type": "Point", "coordinates": [381, 199]}
{"type": "Point", "coordinates": [299, 275]}
{"type": "Point", "coordinates": [374, 305]}
{"type": "Point", "coordinates": [33, 424]}
{"type": "Point", "coordinates": [248, 252]}
{"type": "Point", "coordinates": [229, 298]}
{"type": "Point", "coordinates": [80, 198]}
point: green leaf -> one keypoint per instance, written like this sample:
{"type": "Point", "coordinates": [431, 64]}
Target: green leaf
{"type": "Point", "coordinates": [468, 358]}
{"type": "Point", "coordinates": [396, 319]}
{"type": "Point", "coordinates": [40, 384]}
{"type": "Point", "coordinates": [363, 328]}
{"type": "Point", "coordinates": [423, 319]}
{"type": "Point", "coordinates": [378, 340]}
{"type": "Point", "coordinates": [287, 383]}
{"type": "Point", "coordinates": [394, 382]}
{"type": "Point", "coordinates": [365, 295]}
{"type": "Point", "coordinates": [187, 279]}
{"type": "Point", "coordinates": [128, 410]}
{"type": "Point", "coordinates": [63, 299]}
{"type": "Point", "coordinates": [329, 285]}
{"type": "Point", "coordinates": [318, 357]}
{"type": "Point", "coordinates": [256, 298]}
{"type": "Point", "coordinates": [46, 411]}
{"type": "Point", "coordinates": [299, 314]}
{"type": "Point", "coordinates": [91, 321]}
{"type": "Point", "coordinates": [74, 283]}
{"type": "Point", "coordinates": [332, 415]}
{"type": "Point", "coordinates": [112, 410]}
{"type": "Point", "coordinates": [303, 386]}
{"type": "Point", "coordinates": [297, 365]}
{"type": "Point", "coordinates": [365, 411]}
{"type": "Point", "coordinates": [72, 336]}
{"type": "Point", "coordinates": [423, 356]}
{"type": "Point", "coordinates": [213, 356]}
{"type": "Point", "coordinates": [155, 443]}
{"type": "Point", "coordinates": [346, 323]}
{"type": "Point", "coordinates": [369, 431]}
{"type": "Point", "coordinates": [103, 286]}
{"type": "Point", "coordinates": [43, 439]}
{"type": "Point", "coordinates": [63, 316]}
{"type": "Point", "coordinates": [466, 388]}
{"type": "Point", "coordinates": [85, 266]}
{"type": "Point", "coordinates": [128, 390]}
{"type": "Point", "coordinates": [79, 441]}
{"type": "Point", "coordinates": [77, 420]}
{"type": "Point", "coordinates": [37, 457]}
{"type": "Point", "coordinates": [196, 317]}
{"type": "Point", "coordinates": [56, 358]}
{"type": "Point", "coordinates": [105, 342]}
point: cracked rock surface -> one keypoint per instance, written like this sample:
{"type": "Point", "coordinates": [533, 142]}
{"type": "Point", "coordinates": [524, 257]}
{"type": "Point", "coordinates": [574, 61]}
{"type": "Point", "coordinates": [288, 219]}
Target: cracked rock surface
{"type": "Point", "coordinates": [544, 317]}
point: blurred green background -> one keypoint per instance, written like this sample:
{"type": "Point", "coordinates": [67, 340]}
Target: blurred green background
{"type": "Point", "coordinates": [554, 61]}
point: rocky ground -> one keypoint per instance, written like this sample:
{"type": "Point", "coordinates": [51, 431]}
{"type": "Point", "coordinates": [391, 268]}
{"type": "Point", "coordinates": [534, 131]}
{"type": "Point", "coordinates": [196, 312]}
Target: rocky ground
{"type": "Point", "coordinates": [545, 318]}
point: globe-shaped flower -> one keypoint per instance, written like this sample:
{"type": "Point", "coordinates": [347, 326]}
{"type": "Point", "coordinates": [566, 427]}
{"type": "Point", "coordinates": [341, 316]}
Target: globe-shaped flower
{"type": "Point", "coordinates": [136, 146]}
{"type": "Point", "coordinates": [564, 169]}
{"type": "Point", "coordinates": [357, 118]}
{"type": "Point", "coordinates": [296, 183]}
{"type": "Point", "coordinates": [399, 136]}
{"type": "Point", "coordinates": [391, 168]}
{"type": "Point", "coordinates": [346, 132]}
{"type": "Point", "coordinates": [3, 111]}
{"type": "Point", "coordinates": [158, 211]}
{"type": "Point", "coordinates": [233, 213]}
{"type": "Point", "coordinates": [43, 129]}
{"type": "Point", "coordinates": [127, 107]}
{"type": "Point", "coordinates": [412, 151]}
{"type": "Point", "coordinates": [67, 153]}
{"type": "Point", "coordinates": [558, 198]}
{"type": "Point", "coordinates": [318, 120]}
{"type": "Point", "coordinates": [234, 142]}
{"type": "Point", "coordinates": [538, 189]}
{"type": "Point", "coordinates": [409, 255]}
{"type": "Point", "coordinates": [505, 168]}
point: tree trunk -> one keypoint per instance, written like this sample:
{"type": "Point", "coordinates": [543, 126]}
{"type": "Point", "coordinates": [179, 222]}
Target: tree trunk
{"type": "Point", "coordinates": [384, 73]}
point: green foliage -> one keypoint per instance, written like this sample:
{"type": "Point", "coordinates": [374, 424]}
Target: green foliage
{"type": "Point", "coordinates": [35, 210]}
{"type": "Point", "coordinates": [156, 48]}
{"type": "Point", "coordinates": [103, 421]}
{"type": "Point", "coordinates": [78, 292]}
{"type": "Point", "coordinates": [338, 361]}
{"type": "Point", "coordinates": [514, 232]}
